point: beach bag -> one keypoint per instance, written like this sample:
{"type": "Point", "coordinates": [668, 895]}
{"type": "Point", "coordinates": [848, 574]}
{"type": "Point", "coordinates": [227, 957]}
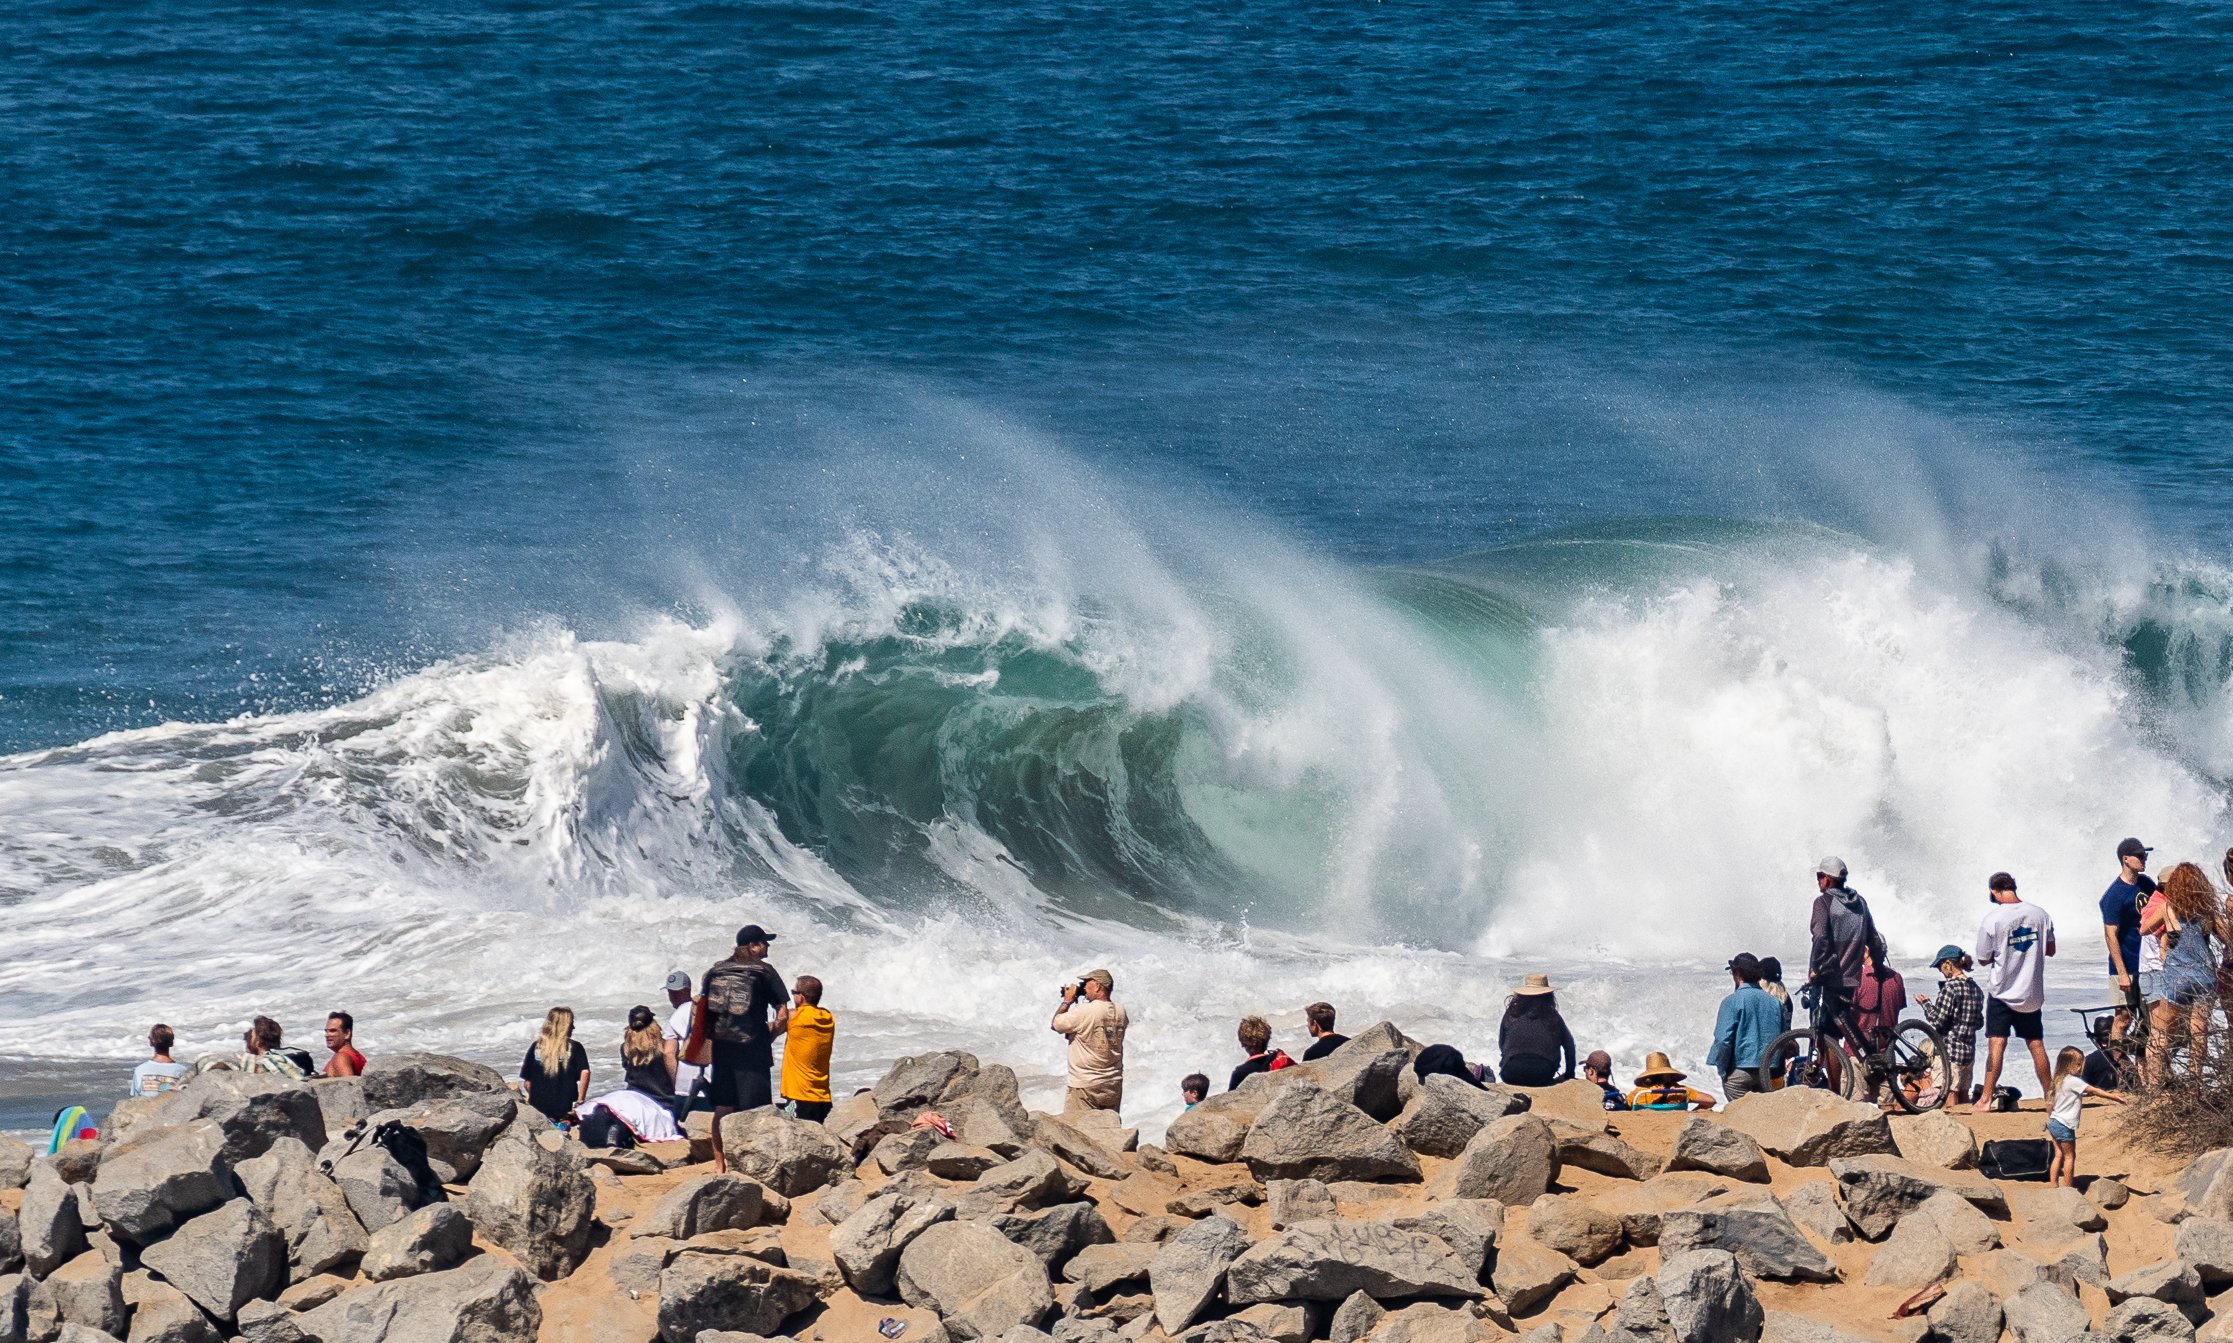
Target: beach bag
{"type": "Point", "coordinates": [408, 1146]}
{"type": "Point", "coordinates": [603, 1128]}
{"type": "Point", "coordinates": [2016, 1159]}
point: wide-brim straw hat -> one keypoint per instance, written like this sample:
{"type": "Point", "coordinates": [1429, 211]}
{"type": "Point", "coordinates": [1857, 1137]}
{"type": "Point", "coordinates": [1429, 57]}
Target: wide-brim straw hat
{"type": "Point", "coordinates": [1657, 1068]}
{"type": "Point", "coordinates": [1534, 985]}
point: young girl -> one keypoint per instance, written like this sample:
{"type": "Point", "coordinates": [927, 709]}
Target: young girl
{"type": "Point", "coordinates": [2062, 1121]}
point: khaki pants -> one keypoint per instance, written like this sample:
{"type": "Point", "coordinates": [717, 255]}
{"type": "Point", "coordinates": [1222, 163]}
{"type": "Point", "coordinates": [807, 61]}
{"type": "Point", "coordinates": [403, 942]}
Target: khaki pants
{"type": "Point", "coordinates": [1109, 1098]}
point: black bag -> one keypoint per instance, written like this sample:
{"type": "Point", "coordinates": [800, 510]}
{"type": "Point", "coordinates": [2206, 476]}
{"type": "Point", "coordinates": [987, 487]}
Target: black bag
{"type": "Point", "coordinates": [601, 1128]}
{"type": "Point", "coordinates": [2016, 1159]}
{"type": "Point", "coordinates": [408, 1146]}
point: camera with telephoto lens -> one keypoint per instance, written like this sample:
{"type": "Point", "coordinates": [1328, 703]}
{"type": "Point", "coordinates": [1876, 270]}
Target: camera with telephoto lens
{"type": "Point", "coordinates": [1073, 990]}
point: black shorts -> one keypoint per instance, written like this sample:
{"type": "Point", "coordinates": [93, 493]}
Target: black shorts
{"type": "Point", "coordinates": [2002, 1021]}
{"type": "Point", "coordinates": [740, 1075]}
{"type": "Point", "coordinates": [813, 1112]}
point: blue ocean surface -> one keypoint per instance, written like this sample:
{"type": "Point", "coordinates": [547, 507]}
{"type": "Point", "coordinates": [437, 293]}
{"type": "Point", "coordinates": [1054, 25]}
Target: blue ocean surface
{"type": "Point", "coordinates": [488, 492]}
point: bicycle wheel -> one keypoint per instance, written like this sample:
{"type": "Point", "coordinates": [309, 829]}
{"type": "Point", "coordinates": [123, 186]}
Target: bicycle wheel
{"type": "Point", "coordinates": [1922, 1075]}
{"type": "Point", "coordinates": [1807, 1058]}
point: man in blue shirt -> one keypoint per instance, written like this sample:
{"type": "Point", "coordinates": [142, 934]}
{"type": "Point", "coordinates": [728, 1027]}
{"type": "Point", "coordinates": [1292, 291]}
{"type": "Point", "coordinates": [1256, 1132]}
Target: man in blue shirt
{"type": "Point", "coordinates": [2120, 928]}
{"type": "Point", "coordinates": [1749, 1022]}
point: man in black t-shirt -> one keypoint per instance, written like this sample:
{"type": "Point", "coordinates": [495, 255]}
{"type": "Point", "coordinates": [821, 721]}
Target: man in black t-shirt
{"type": "Point", "coordinates": [1318, 1019]}
{"type": "Point", "coordinates": [740, 994]}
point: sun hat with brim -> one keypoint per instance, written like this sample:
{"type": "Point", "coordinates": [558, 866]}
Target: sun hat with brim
{"type": "Point", "coordinates": [1657, 1068]}
{"type": "Point", "coordinates": [1534, 985]}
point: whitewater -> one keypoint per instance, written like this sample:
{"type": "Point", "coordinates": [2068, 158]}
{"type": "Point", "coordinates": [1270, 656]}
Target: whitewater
{"type": "Point", "coordinates": [955, 762]}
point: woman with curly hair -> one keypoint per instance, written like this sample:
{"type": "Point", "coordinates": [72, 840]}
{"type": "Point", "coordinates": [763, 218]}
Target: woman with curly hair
{"type": "Point", "coordinates": [2192, 922]}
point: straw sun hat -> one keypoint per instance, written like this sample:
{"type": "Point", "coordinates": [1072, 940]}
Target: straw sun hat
{"type": "Point", "coordinates": [1534, 985]}
{"type": "Point", "coordinates": [1657, 1068]}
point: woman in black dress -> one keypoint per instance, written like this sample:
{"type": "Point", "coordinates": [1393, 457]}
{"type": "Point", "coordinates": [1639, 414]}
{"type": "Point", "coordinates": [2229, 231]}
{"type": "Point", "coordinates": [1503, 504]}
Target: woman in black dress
{"type": "Point", "coordinates": [556, 1069]}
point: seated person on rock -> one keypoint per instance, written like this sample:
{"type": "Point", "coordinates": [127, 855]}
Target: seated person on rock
{"type": "Point", "coordinates": [1659, 1086]}
{"type": "Point", "coordinates": [341, 1038]}
{"type": "Point", "coordinates": [161, 1072]}
{"type": "Point", "coordinates": [1256, 1038]}
{"type": "Point", "coordinates": [1598, 1068]}
{"type": "Point", "coordinates": [1536, 1048]}
{"type": "Point", "coordinates": [1318, 1019]}
{"type": "Point", "coordinates": [1194, 1088]}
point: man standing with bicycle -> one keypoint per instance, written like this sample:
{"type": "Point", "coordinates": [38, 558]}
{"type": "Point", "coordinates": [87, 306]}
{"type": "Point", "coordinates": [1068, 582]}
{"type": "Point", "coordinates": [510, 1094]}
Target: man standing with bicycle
{"type": "Point", "coordinates": [2013, 944]}
{"type": "Point", "coordinates": [1843, 933]}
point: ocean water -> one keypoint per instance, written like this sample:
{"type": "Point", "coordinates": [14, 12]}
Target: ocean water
{"type": "Point", "coordinates": [1347, 501]}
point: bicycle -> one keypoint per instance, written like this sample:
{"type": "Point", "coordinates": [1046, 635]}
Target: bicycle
{"type": "Point", "coordinates": [1913, 1063]}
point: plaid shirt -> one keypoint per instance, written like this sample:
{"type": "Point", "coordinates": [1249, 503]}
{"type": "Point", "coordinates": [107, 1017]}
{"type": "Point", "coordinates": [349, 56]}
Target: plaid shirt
{"type": "Point", "coordinates": [1957, 1014]}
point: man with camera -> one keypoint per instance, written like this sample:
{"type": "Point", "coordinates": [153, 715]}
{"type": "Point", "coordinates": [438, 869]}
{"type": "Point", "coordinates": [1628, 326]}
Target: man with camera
{"type": "Point", "coordinates": [1094, 1024]}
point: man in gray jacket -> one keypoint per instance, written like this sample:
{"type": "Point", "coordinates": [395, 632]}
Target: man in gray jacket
{"type": "Point", "coordinates": [1842, 930]}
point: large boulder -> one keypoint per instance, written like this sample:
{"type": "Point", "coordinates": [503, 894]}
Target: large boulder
{"type": "Point", "coordinates": [1754, 1227]}
{"type": "Point", "coordinates": [2044, 1312]}
{"type": "Point", "coordinates": [1878, 1190]}
{"type": "Point", "coordinates": [2205, 1187]}
{"type": "Point", "coordinates": [1366, 1072]}
{"type": "Point", "coordinates": [458, 1129]}
{"type": "Point", "coordinates": [1327, 1261]}
{"type": "Point", "coordinates": [1707, 1298]}
{"type": "Point", "coordinates": [1514, 1161]}
{"type": "Point", "coordinates": [1033, 1180]}
{"type": "Point", "coordinates": [2207, 1243]}
{"type": "Point", "coordinates": [788, 1155]}
{"type": "Point", "coordinates": [222, 1259]}
{"type": "Point", "coordinates": [310, 1212]}
{"type": "Point", "coordinates": [486, 1299]}
{"type": "Point", "coordinates": [2174, 1282]}
{"type": "Point", "coordinates": [922, 1082]}
{"type": "Point", "coordinates": [1292, 1201]}
{"type": "Point", "coordinates": [1966, 1314]}
{"type": "Point", "coordinates": [1935, 1139]}
{"type": "Point", "coordinates": [1445, 1112]}
{"type": "Point", "coordinates": [253, 1109]}
{"type": "Point", "coordinates": [728, 1202]}
{"type": "Point", "coordinates": [1469, 1226]}
{"type": "Point", "coordinates": [1594, 1150]}
{"type": "Point", "coordinates": [1640, 1206]}
{"type": "Point", "coordinates": [402, 1081]}
{"type": "Point", "coordinates": [1056, 1233]}
{"type": "Point", "coordinates": [1965, 1228]}
{"type": "Point", "coordinates": [435, 1237]}
{"type": "Point", "coordinates": [379, 1189]}
{"type": "Point", "coordinates": [1571, 1225]}
{"type": "Point", "coordinates": [1309, 1133]}
{"type": "Point", "coordinates": [163, 1314]}
{"type": "Point", "coordinates": [15, 1162]}
{"type": "Point", "coordinates": [1100, 1269]}
{"type": "Point", "coordinates": [158, 1177]}
{"type": "Point", "coordinates": [1215, 1130]}
{"type": "Point", "coordinates": [979, 1283]}
{"type": "Point", "coordinates": [87, 1292]}
{"type": "Point", "coordinates": [1915, 1255]}
{"type": "Point", "coordinates": [1708, 1145]}
{"type": "Point", "coordinates": [11, 1243]}
{"type": "Point", "coordinates": [1807, 1126]}
{"type": "Point", "coordinates": [700, 1294]}
{"type": "Point", "coordinates": [867, 1244]}
{"type": "Point", "coordinates": [1188, 1270]}
{"type": "Point", "coordinates": [2056, 1213]}
{"type": "Point", "coordinates": [1081, 1149]}
{"type": "Point", "coordinates": [2144, 1320]}
{"type": "Point", "coordinates": [534, 1197]}
{"type": "Point", "coordinates": [1527, 1273]}
{"type": "Point", "coordinates": [49, 1226]}
{"type": "Point", "coordinates": [1814, 1205]}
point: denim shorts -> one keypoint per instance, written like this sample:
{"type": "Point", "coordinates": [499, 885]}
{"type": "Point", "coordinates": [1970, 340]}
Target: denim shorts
{"type": "Point", "coordinates": [2060, 1131]}
{"type": "Point", "coordinates": [2150, 983]}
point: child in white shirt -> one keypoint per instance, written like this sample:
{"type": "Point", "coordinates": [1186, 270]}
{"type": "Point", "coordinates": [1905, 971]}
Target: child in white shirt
{"type": "Point", "coordinates": [2067, 1105]}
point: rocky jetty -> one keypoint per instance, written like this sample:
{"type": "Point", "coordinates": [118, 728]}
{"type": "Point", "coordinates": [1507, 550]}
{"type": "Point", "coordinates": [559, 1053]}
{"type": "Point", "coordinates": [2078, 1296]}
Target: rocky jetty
{"type": "Point", "coordinates": [1339, 1200]}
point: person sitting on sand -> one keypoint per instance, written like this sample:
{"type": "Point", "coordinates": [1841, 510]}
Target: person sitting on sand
{"type": "Point", "coordinates": [341, 1038]}
{"type": "Point", "coordinates": [2068, 1100]}
{"type": "Point", "coordinates": [1194, 1088]}
{"type": "Point", "coordinates": [1536, 1048]}
{"type": "Point", "coordinates": [556, 1069]}
{"type": "Point", "coordinates": [1957, 1013]}
{"type": "Point", "coordinates": [643, 1056]}
{"type": "Point", "coordinates": [1318, 1019]}
{"type": "Point", "coordinates": [806, 1052]}
{"type": "Point", "coordinates": [1256, 1038]}
{"type": "Point", "coordinates": [160, 1073]}
{"type": "Point", "coordinates": [1659, 1086]}
{"type": "Point", "coordinates": [1598, 1068]}
{"type": "Point", "coordinates": [1747, 1024]}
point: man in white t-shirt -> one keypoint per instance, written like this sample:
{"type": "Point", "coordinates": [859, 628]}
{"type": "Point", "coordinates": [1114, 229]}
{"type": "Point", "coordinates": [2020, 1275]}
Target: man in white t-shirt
{"type": "Point", "coordinates": [2013, 944]}
{"type": "Point", "coordinates": [677, 1034]}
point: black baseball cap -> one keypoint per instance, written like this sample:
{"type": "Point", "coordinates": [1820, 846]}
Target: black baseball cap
{"type": "Point", "coordinates": [2132, 848]}
{"type": "Point", "coordinates": [753, 932]}
{"type": "Point", "coordinates": [1745, 964]}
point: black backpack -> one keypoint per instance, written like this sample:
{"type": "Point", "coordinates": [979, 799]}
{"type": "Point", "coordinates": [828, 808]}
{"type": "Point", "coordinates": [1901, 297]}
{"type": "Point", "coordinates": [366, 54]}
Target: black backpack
{"type": "Point", "coordinates": [601, 1128]}
{"type": "Point", "coordinates": [406, 1146]}
{"type": "Point", "coordinates": [2016, 1159]}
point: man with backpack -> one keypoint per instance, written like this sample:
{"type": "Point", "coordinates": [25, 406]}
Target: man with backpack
{"type": "Point", "coordinates": [741, 993]}
{"type": "Point", "coordinates": [1844, 936]}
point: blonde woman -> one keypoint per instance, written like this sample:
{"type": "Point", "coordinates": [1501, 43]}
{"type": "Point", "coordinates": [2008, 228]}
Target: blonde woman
{"type": "Point", "coordinates": [556, 1069]}
{"type": "Point", "coordinates": [2192, 922]}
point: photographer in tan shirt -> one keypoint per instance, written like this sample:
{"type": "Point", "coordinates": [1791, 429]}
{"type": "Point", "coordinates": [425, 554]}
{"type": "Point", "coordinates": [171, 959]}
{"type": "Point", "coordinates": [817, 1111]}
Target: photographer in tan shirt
{"type": "Point", "coordinates": [1095, 1028]}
